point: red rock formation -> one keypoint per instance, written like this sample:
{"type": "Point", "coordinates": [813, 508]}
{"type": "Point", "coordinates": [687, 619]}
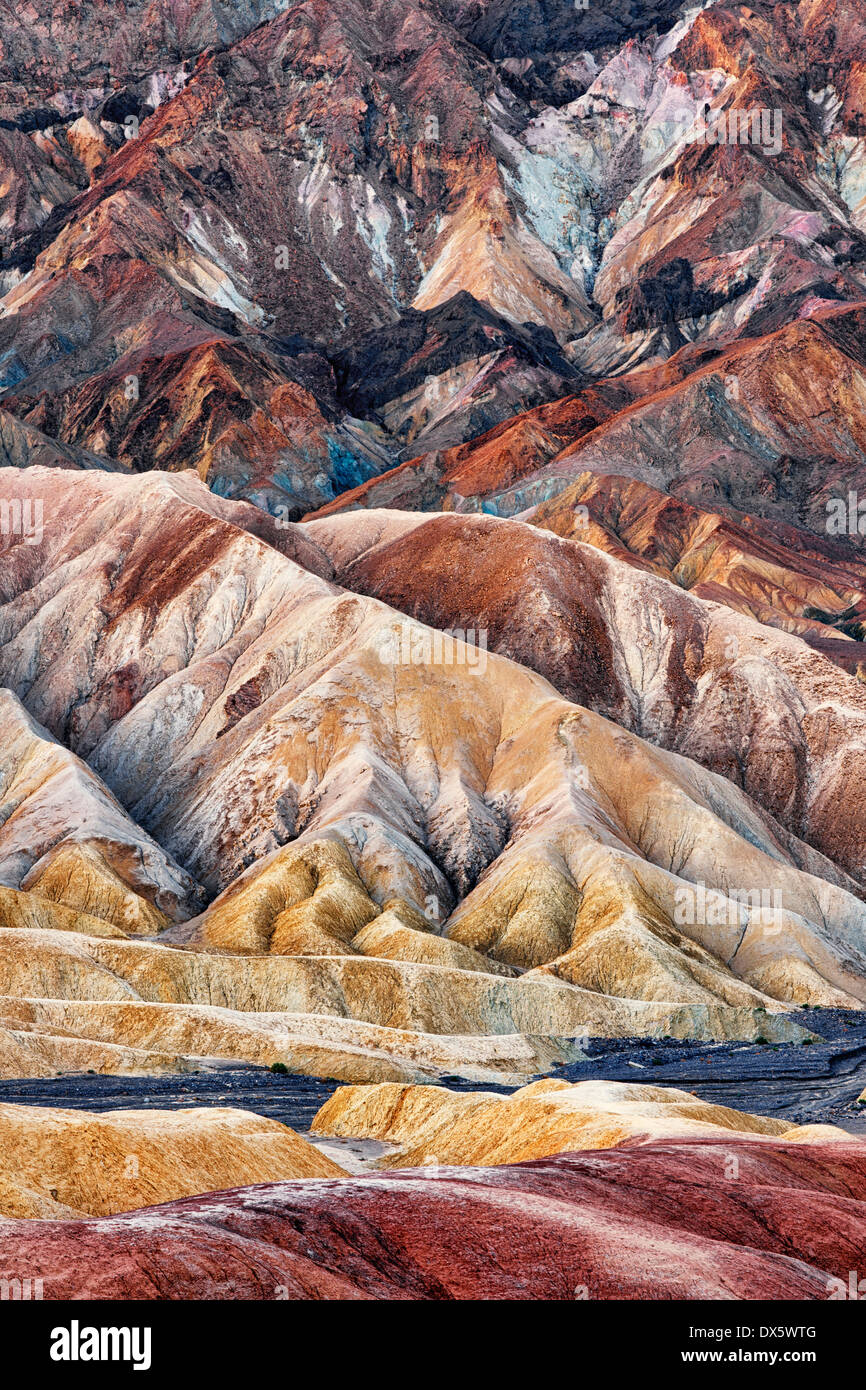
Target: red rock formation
{"type": "Point", "coordinates": [282, 247]}
{"type": "Point", "coordinates": [750, 430]}
{"type": "Point", "coordinates": [697, 1219]}
{"type": "Point", "coordinates": [332, 168]}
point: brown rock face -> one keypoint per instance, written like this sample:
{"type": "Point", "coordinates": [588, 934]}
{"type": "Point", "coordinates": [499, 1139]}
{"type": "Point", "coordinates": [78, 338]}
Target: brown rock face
{"type": "Point", "coordinates": [746, 430]}
{"type": "Point", "coordinates": [272, 254]}
{"type": "Point", "coordinates": [432, 633]}
{"type": "Point", "coordinates": [225, 236]}
{"type": "Point", "coordinates": [674, 666]}
{"type": "Point", "coordinates": [351, 873]}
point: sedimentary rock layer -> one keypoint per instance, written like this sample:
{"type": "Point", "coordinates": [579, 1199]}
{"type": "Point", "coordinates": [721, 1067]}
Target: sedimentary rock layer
{"type": "Point", "coordinates": [660, 1221]}
{"type": "Point", "coordinates": [679, 668]}
{"type": "Point", "coordinates": [381, 802]}
{"type": "Point", "coordinates": [591, 286]}
{"type": "Point", "coordinates": [431, 1125]}
{"type": "Point", "coordinates": [67, 1163]}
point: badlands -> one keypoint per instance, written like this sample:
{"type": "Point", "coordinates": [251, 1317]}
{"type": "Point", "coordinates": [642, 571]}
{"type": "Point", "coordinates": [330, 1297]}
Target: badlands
{"type": "Point", "coordinates": [590, 1191]}
{"type": "Point", "coordinates": [432, 649]}
{"type": "Point", "coordinates": [236, 832]}
{"type": "Point", "coordinates": [232, 830]}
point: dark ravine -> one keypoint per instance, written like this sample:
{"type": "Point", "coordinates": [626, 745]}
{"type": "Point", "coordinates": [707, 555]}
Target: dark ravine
{"type": "Point", "coordinates": [805, 1084]}
{"type": "Point", "coordinates": [817, 1084]}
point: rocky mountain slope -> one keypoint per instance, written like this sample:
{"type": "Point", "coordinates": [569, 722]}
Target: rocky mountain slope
{"type": "Point", "coordinates": [673, 664]}
{"type": "Point", "coordinates": [208, 203]}
{"type": "Point", "coordinates": [351, 818]}
{"type": "Point", "coordinates": [432, 630]}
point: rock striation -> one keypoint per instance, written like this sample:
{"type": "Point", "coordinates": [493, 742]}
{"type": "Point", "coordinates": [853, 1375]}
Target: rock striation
{"type": "Point", "coordinates": [427, 1125]}
{"type": "Point", "coordinates": [268, 755]}
{"type": "Point", "coordinates": [62, 1164]}
{"type": "Point", "coordinates": [549, 720]}
{"type": "Point", "coordinates": [651, 1221]}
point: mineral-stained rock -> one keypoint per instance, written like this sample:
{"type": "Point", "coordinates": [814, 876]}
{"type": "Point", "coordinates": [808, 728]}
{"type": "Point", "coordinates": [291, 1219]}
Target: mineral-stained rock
{"type": "Point", "coordinates": [759, 435]}
{"type": "Point", "coordinates": [29, 911]}
{"type": "Point", "coordinates": [408, 1018]}
{"type": "Point", "coordinates": [74, 1163]}
{"type": "Point", "coordinates": [247, 420]}
{"type": "Point", "coordinates": [772, 426]}
{"type": "Point", "coordinates": [519, 826]}
{"type": "Point", "coordinates": [386, 796]}
{"type": "Point", "coordinates": [44, 1037]}
{"type": "Point", "coordinates": [391, 937]}
{"type": "Point", "coordinates": [783, 576]}
{"type": "Point", "coordinates": [65, 838]}
{"type": "Point", "coordinates": [142, 242]}
{"type": "Point", "coordinates": [47, 41]}
{"type": "Point", "coordinates": [446, 374]}
{"type": "Point", "coordinates": [24, 446]}
{"type": "Point", "coordinates": [684, 672]}
{"type": "Point", "coordinates": [307, 900]}
{"type": "Point", "coordinates": [429, 1124]}
{"type": "Point", "coordinates": [189, 195]}
{"type": "Point", "coordinates": [662, 1220]}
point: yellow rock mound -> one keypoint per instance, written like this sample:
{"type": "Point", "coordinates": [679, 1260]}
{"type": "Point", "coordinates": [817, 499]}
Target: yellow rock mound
{"type": "Point", "coordinates": [429, 1124]}
{"type": "Point", "coordinates": [69, 1163]}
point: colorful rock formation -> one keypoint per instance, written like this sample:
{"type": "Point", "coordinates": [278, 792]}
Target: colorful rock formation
{"type": "Point", "coordinates": [69, 1163]}
{"type": "Point", "coordinates": [430, 1125]}
{"type": "Point", "coordinates": [517, 832]}
{"type": "Point", "coordinates": [432, 617]}
{"type": "Point", "coordinates": [687, 1219]}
